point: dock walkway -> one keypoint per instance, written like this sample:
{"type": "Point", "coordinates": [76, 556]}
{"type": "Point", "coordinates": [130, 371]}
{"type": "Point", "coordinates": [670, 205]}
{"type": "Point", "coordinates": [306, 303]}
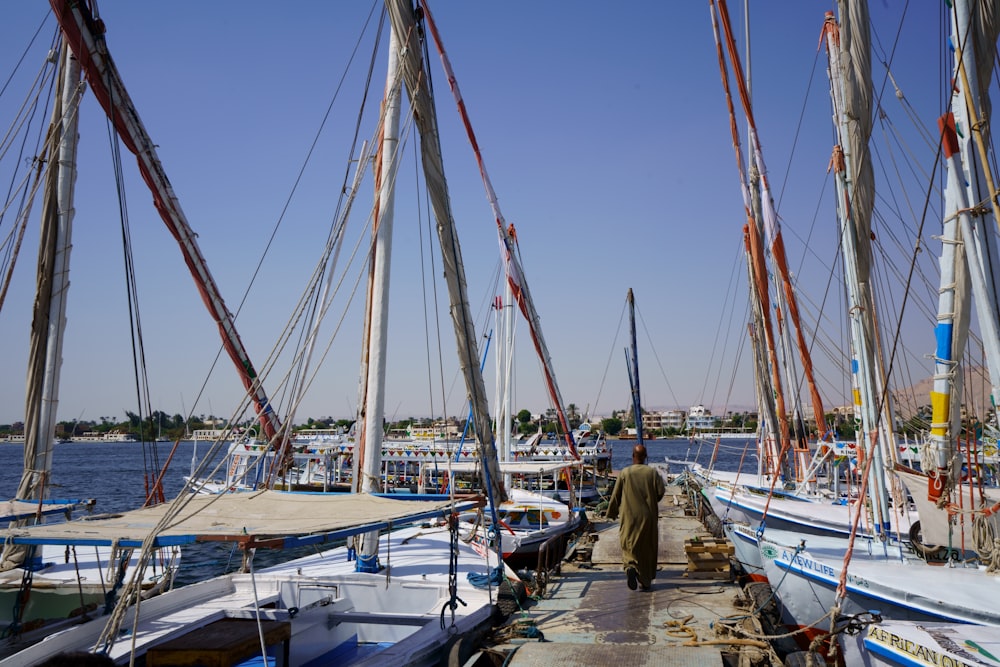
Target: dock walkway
{"type": "Point", "coordinates": [588, 616]}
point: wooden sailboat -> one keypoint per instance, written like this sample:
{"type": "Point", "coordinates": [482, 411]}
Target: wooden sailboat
{"type": "Point", "coordinates": [784, 496]}
{"type": "Point", "coordinates": [531, 521]}
{"type": "Point", "coordinates": [46, 586]}
{"type": "Point", "coordinates": [387, 596]}
{"type": "Point", "coordinates": [924, 575]}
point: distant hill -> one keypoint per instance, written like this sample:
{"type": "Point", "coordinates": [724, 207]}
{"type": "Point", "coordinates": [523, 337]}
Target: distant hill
{"type": "Point", "coordinates": [907, 400]}
{"type": "Point", "coordinates": [976, 390]}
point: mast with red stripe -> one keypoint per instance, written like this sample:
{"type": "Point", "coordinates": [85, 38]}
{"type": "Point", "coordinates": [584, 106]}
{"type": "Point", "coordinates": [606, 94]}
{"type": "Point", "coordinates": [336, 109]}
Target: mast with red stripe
{"type": "Point", "coordinates": [508, 245]}
{"type": "Point", "coordinates": [84, 34]}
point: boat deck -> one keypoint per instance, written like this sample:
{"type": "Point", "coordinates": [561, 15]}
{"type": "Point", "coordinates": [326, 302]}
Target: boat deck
{"type": "Point", "coordinates": [588, 616]}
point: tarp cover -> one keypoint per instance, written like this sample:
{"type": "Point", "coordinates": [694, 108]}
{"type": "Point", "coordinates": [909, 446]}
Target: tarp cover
{"type": "Point", "coordinates": [11, 510]}
{"type": "Point", "coordinates": [512, 467]}
{"type": "Point", "coordinates": [235, 516]}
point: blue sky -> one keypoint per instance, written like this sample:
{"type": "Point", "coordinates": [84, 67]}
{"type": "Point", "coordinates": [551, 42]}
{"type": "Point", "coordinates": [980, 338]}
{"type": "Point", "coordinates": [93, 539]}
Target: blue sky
{"type": "Point", "coordinates": [606, 136]}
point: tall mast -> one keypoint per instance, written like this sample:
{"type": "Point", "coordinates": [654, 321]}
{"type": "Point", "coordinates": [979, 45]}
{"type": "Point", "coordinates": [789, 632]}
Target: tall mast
{"type": "Point", "coordinates": [508, 249]}
{"type": "Point", "coordinates": [974, 36]}
{"type": "Point", "coordinates": [85, 37]}
{"type": "Point", "coordinates": [373, 406]}
{"type": "Point", "coordinates": [850, 91]}
{"type": "Point", "coordinates": [633, 369]}
{"type": "Point", "coordinates": [49, 319]}
{"type": "Point", "coordinates": [770, 231]}
{"type": "Point", "coordinates": [768, 372]}
{"type": "Point", "coordinates": [403, 22]}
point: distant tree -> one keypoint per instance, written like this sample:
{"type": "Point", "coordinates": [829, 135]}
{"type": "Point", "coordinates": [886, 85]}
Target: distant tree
{"type": "Point", "coordinates": [611, 425]}
{"type": "Point", "coordinates": [573, 415]}
{"type": "Point", "coordinates": [550, 414]}
{"type": "Point", "coordinates": [847, 429]}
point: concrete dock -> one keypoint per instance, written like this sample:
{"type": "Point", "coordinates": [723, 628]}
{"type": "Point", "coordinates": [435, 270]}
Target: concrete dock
{"type": "Point", "coordinates": [586, 614]}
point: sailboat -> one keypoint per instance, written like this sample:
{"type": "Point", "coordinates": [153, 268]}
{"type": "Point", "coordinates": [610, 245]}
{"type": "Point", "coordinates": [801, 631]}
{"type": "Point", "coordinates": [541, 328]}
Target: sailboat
{"type": "Point", "coordinates": [533, 525]}
{"type": "Point", "coordinates": [46, 586]}
{"type": "Point", "coordinates": [533, 529]}
{"type": "Point", "coordinates": [385, 596]}
{"type": "Point", "coordinates": [786, 491]}
{"type": "Point", "coordinates": [920, 574]}
{"type": "Point", "coordinates": [780, 497]}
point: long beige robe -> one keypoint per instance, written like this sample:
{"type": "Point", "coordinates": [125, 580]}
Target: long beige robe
{"type": "Point", "coordinates": [637, 492]}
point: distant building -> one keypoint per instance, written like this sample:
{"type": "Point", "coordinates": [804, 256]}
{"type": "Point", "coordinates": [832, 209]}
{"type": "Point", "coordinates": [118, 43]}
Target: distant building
{"type": "Point", "coordinates": [700, 418]}
{"type": "Point", "coordinates": [664, 419]}
{"type": "Point", "coordinates": [441, 429]}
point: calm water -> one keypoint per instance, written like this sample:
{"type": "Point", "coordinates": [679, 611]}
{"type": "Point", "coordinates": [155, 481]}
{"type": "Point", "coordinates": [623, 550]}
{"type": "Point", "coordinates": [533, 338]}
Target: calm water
{"type": "Point", "coordinates": [113, 475]}
{"type": "Point", "coordinates": [730, 454]}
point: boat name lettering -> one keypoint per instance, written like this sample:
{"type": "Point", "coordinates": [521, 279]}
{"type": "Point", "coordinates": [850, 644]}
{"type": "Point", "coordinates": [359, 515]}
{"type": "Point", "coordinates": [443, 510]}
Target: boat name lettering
{"type": "Point", "coordinates": [920, 653]}
{"type": "Point", "coordinates": [808, 563]}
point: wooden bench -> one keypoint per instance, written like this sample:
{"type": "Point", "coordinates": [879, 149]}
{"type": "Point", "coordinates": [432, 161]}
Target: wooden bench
{"type": "Point", "coordinates": [223, 643]}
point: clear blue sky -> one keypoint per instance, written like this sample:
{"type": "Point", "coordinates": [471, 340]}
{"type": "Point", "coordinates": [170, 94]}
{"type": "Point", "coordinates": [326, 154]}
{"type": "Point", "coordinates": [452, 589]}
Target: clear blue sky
{"type": "Point", "coordinates": [604, 130]}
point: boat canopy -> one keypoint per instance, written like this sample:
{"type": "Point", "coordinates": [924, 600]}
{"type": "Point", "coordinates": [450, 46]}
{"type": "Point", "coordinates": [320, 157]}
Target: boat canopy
{"type": "Point", "coordinates": [513, 467]}
{"type": "Point", "coordinates": [266, 518]}
{"type": "Point", "coordinates": [13, 510]}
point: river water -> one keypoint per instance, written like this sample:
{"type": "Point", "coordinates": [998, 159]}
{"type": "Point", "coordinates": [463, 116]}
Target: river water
{"type": "Point", "coordinates": [112, 473]}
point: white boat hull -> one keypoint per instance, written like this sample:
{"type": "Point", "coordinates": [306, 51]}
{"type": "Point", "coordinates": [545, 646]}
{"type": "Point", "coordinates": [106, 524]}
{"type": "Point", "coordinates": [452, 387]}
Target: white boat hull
{"type": "Point", "coordinates": [68, 584]}
{"type": "Point", "coordinates": [390, 617]}
{"type": "Point", "coordinates": [886, 579]}
{"type": "Point", "coordinates": [906, 644]}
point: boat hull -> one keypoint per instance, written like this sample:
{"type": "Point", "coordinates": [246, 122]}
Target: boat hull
{"type": "Point", "coordinates": [908, 644]}
{"type": "Point", "coordinates": [885, 578]}
{"type": "Point", "coordinates": [333, 612]}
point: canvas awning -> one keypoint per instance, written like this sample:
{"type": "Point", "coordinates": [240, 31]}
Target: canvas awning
{"type": "Point", "coordinates": [12, 510]}
{"type": "Point", "coordinates": [273, 519]}
{"type": "Point", "coordinates": [512, 467]}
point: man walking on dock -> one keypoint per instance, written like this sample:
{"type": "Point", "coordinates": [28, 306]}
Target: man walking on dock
{"type": "Point", "coordinates": [636, 495]}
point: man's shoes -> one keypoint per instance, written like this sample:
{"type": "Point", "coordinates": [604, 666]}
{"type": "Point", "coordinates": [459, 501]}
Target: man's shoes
{"type": "Point", "coordinates": [633, 578]}
{"type": "Point", "coordinates": [646, 589]}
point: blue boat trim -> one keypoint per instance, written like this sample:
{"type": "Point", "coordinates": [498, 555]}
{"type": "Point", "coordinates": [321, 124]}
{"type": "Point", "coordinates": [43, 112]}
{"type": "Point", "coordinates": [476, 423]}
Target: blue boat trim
{"type": "Point", "coordinates": [831, 584]}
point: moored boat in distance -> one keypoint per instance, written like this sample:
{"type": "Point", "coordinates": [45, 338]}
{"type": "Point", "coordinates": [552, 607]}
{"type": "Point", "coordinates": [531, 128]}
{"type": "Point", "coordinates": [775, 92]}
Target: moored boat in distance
{"type": "Point", "coordinates": [105, 436]}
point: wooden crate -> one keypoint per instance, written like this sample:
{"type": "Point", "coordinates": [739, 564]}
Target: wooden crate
{"type": "Point", "coordinates": [708, 544]}
{"type": "Point", "coordinates": [708, 558]}
{"type": "Point", "coordinates": [223, 643]}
